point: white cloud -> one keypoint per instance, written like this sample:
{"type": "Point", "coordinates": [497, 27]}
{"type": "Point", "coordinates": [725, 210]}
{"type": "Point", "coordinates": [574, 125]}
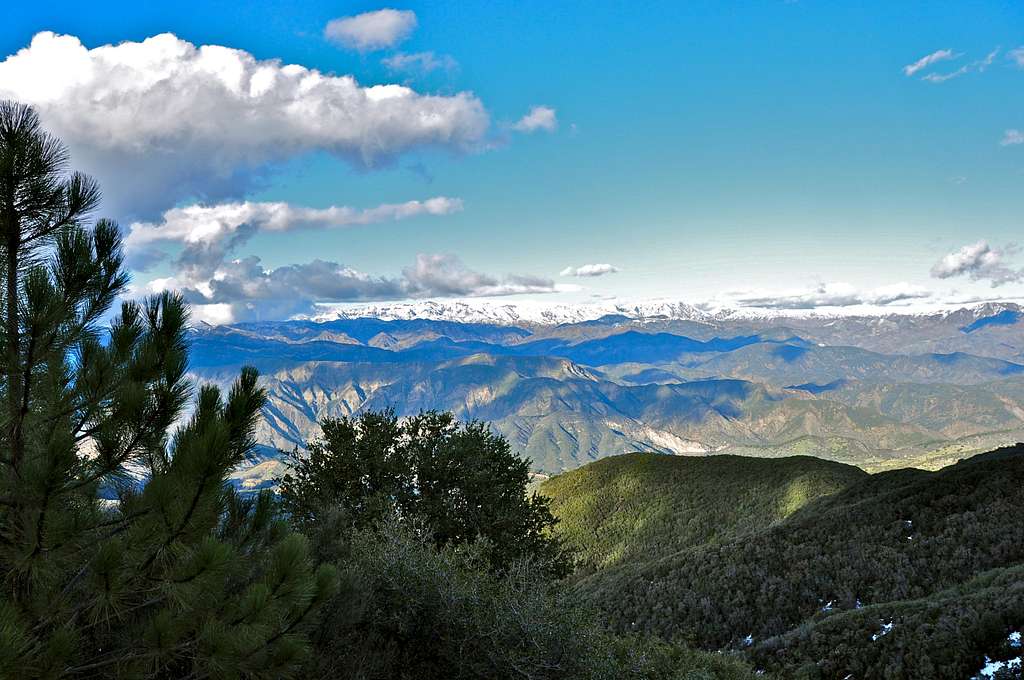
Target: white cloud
{"type": "Point", "coordinates": [943, 77]}
{"type": "Point", "coordinates": [1012, 137]}
{"type": "Point", "coordinates": [208, 224]}
{"type": "Point", "coordinates": [927, 60]}
{"type": "Point", "coordinates": [244, 289]}
{"type": "Point", "coordinates": [419, 62]}
{"type": "Point", "coordinates": [1017, 56]}
{"type": "Point", "coordinates": [896, 292]}
{"type": "Point", "coordinates": [214, 315]}
{"type": "Point", "coordinates": [979, 65]}
{"type": "Point", "coordinates": [983, 64]}
{"type": "Point", "coordinates": [162, 120]}
{"type": "Point", "coordinates": [446, 275]}
{"type": "Point", "coordinates": [372, 30]}
{"type": "Point", "coordinates": [981, 262]}
{"type": "Point", "coordinates": [207, 235]}
{"type": "Point", "coordinates": [589, 270]}
{"type": "Point", "coordinates": [833, 295]}
{"type": "Point", "coordinates": [538, 118]}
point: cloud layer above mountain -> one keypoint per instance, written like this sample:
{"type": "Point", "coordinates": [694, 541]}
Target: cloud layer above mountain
{"type": "Point", "coordinates": [589, 270]}
{"type": "Point", "coordinates": [832, 295]}
{"type": "Point", "coordinates": [243, 289]}
{"type": "Point", "coordinates": [163, 120]}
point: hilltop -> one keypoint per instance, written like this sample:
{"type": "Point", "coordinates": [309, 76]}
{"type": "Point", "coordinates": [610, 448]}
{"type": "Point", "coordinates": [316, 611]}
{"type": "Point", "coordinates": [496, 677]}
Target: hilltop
{"type": "Point", "coordinates": [642, 506]}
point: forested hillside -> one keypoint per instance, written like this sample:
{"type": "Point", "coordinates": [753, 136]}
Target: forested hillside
{"type": "Point", "coordinates": [642, 506]}
{"type": "Point", "coordinates": [906, 573]}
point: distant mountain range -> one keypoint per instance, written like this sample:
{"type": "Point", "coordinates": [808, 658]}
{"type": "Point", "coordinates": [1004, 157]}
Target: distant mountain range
{"type": "Point", "coordinates": [875, 391]}
{"type": "Point", "coordinates": [544, 313]}
{"type": "Point", "coordinates": [533, 312]}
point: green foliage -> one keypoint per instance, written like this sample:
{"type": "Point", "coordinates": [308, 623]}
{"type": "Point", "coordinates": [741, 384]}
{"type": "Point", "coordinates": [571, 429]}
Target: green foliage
{"type": "Point", "coordinates": [643, 506]}
{"type": "Point", "coordinates": [938, 554]}
{"type": "Point", "coordinates": [945, 635]}
{"type": "Point", "coordinates": [438, 577]}
{"type": "Point", "coordinates": [412, 610]}
{"type": "Point", "coordinates": [179, 576]}
{"type": "Point", "coordinates": [460, 481]}
{"type": "Point", "coordinates": [409, 609]}
{"type": "Point", "coordinates": [649, 658]}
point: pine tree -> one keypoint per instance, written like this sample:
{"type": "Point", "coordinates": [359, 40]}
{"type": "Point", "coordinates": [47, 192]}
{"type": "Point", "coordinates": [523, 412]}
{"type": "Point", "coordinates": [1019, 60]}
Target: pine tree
{"type": "Point", "coordinates": [123, 552]}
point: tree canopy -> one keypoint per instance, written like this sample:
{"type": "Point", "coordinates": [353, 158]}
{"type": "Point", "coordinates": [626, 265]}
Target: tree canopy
{"type": "Point", "coordinates": [458, 481]}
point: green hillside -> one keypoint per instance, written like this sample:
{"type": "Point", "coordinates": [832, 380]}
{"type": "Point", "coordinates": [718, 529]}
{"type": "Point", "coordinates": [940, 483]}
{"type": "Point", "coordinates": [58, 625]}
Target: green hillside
{"type": "Point", "coordinates": [944, 635]}
{"type": "Point", "coordinates": [641, 506]}
{"type": "Point", "coordinates": [813, 577]}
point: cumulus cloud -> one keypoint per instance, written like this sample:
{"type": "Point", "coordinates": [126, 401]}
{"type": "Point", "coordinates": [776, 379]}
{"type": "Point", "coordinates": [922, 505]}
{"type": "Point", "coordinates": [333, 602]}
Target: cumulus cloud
{"type": "Point", "coordinates": [254, 292]}
{"type": "Point", "coordinates": [589, 270]}
{"type": "Point", "coordinates": [243, 289]}
{"type": "Point", "coordinates": [927, 60]}
{"type": "Point", "coordinates": [372, 31]}
{"type": "Point", "coordinates": [162, 120]}
{"type": "Point", "coordinates": [419, 62]}
{"type": "Point", "coordinates": [834, 295]}
{"type": "Point", "coordinates": [445, 275]}
{"type": "Point", "coordinates": [537, 118]}
{"type": "Point", "coordinates": [981, 262]}
{"type": "Point", "coordinates": [1012, 137]}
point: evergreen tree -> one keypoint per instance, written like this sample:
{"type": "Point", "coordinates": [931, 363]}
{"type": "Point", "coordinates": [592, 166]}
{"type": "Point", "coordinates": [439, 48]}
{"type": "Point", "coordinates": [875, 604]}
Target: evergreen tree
{"type": "Point", "coordinates": [460, 481]}
{"type": "Point", "coordinates": [173, 576]}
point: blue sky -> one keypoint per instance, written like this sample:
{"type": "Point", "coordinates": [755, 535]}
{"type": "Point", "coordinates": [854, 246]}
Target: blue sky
{"type": "Point", "coordinates": [740, 151]}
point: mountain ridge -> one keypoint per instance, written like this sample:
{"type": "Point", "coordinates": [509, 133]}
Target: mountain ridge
{"type": "Point", "coordinates": [544, 313]}
{"type": "Point", "coordinates": [879, 392]}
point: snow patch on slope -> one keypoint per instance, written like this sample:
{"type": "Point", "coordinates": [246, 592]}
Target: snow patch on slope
{"type": "Point", "coordinates": [990, 668]}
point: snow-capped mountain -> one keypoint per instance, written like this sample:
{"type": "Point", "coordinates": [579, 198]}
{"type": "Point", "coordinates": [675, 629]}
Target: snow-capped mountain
{"type": "Point", "coordinates": [526, 312]}
{"type": "Point", "coordinates": [873, 389]}
{"type": "Point", "coordinates": [535, 312]}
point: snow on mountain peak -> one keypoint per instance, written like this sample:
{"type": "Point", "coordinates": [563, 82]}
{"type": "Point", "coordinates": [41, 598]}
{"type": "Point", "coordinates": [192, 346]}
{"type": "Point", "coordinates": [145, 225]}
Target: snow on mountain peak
{"type": "Point", "coordinates": [535, 312]}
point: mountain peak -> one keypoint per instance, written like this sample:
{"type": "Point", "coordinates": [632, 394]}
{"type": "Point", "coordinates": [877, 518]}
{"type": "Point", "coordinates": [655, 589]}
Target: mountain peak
{"type": "Point", "coordinates": [541, 313]}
